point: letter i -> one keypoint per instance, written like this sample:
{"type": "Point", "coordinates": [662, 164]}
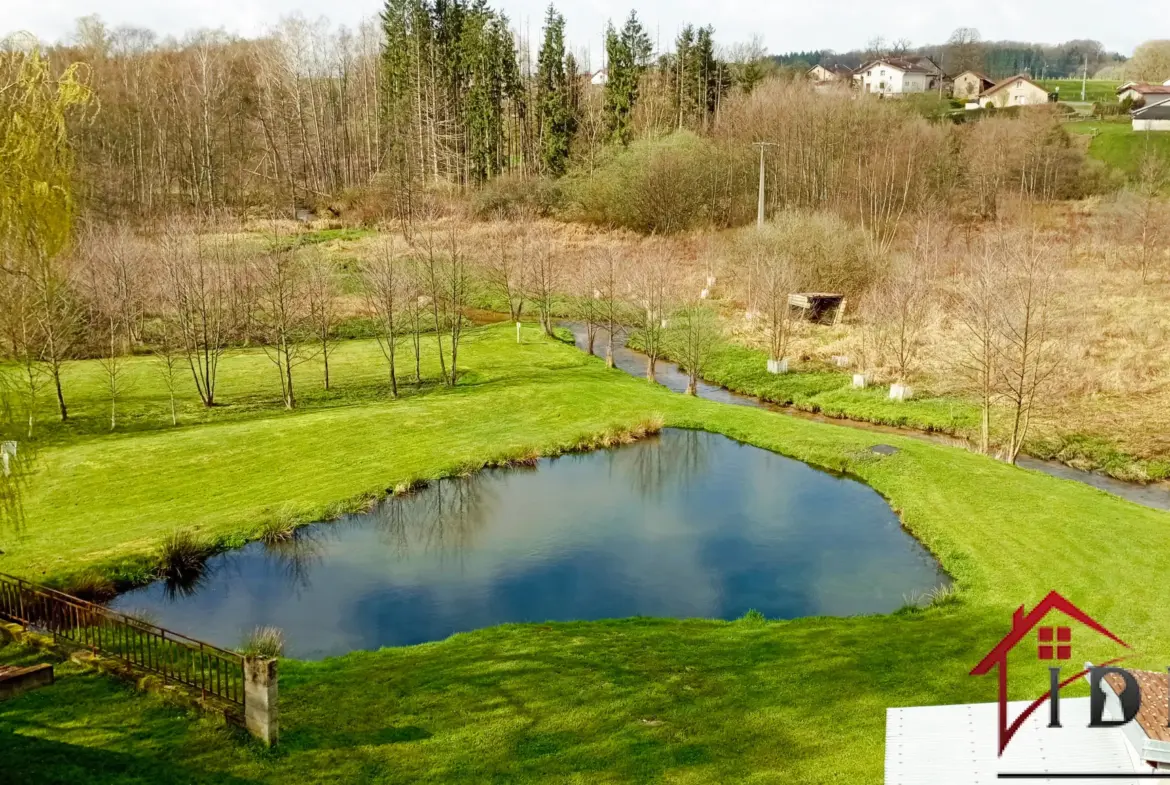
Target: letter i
{"type": "Point", "coordinates": [1054, 697]}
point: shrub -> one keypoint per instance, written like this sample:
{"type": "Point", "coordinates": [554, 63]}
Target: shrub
{"type": "Point", "coordinates": [264, 642]}
{"type": "Point", "coordinates": [278, 527]}
{"type": "Point", "coordinates": [753, 617]}
{"type": "Point", "coordinates": [510, 198]}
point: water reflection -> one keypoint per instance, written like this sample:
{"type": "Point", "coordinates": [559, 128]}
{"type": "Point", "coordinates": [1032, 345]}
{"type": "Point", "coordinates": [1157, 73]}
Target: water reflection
{"type": "Point", "coordinates": [689, 524]}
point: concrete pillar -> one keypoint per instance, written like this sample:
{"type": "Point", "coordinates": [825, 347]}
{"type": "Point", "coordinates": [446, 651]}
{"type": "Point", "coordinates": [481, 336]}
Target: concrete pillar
{"type": "Point", "coordinates": [261, 712]}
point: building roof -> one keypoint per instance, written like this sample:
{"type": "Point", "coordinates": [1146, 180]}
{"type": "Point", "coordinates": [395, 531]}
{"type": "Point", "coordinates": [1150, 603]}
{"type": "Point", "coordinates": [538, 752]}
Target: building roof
{"type": "Point", "coordinates": [1144, 89]}
{"type": "Point", "coordinates": [913, 64]}
{"type": "Point", "coordinates": [836, 69]}
{"type": "Point", "coordinates": [979, 75]}
{"type": "Point", "coordinates": [956, 745]}
{"type": "Point", "coordinates": [1152, 715]}
{"type": "Point", "coordinates": [995, 88]}
{"type": "Point", "coordinates": [1159, 110]}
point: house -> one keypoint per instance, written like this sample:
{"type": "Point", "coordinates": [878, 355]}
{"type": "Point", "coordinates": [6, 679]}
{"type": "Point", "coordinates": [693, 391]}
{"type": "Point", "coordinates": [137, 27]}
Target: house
{"type": "Point", "coordinates": [898, 75]}
{"type": "Point", "coordinates": [1018, 90]}
{"type": "Point", "coordinates": [829, 73]}
{"type": "Point", "coordinates": [1140, 91]}
{"type": "Point", "coordinates": [599, 79]}
{"type": "Point", "coordinates": [1153, 116]}
{"type": "Point", "coordinates": [970, 84]}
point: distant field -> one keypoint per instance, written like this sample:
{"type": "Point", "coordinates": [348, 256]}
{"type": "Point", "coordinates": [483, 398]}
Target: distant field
{"type": "Point", "coordinates": [1117, 144]}
{"type": "Point", "coordinates": [1095, 89]}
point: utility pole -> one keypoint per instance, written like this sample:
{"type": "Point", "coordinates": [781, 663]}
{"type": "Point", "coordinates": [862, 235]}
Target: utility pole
{"type": "Point", "coordinates": [760, 204]}
{"type": "Point", "coordinates": [1084, 77]}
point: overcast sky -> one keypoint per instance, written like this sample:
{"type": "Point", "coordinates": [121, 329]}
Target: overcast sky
{"type": "Point", "coordinates": [784, 25]}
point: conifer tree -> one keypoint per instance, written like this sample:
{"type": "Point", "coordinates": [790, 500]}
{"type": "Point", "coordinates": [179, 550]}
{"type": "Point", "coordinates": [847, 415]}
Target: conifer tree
{"type": "Point", "coordinates": [628, 53]}
{"type": "Point", "coordinates": [555, 91]}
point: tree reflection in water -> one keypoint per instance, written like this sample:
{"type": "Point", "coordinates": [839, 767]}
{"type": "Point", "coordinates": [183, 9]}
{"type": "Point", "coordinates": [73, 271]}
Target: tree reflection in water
{"type": "Point", "coordinates": [295, 556]}
{"type": "Point", "coordinates": [442, 518]}
{"type": "Point", "coordinates": [672, 459]}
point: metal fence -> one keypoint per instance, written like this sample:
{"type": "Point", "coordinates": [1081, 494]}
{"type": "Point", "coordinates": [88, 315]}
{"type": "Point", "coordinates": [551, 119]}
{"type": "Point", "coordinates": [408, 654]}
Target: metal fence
{"type": "Point", "coordinates": [139, 644]}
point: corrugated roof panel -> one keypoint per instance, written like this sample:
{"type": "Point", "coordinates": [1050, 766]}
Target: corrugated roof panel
{"type": "Point", "coordinates": [929, 745]}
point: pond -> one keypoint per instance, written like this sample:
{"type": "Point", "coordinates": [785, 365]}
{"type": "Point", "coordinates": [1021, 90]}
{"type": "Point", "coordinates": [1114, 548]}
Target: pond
{"type": "Point", "coordinates": [685, 524]}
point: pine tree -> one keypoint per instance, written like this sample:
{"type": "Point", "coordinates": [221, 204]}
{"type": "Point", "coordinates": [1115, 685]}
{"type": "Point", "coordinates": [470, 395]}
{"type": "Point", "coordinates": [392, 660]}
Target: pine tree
{"type": "Point", "coordinates": [628, 53]}
{"type": "Point", "coordinates": [558, 121]}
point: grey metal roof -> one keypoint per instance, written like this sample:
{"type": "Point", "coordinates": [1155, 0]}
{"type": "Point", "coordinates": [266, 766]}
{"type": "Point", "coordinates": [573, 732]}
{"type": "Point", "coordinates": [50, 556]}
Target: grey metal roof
{"type": "Point", "coordinates": [1153, 111]}
{"type": "Point", "coordinates": [956, 745]}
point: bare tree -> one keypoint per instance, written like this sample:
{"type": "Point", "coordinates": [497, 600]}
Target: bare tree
{"type": "Point", "coordinates": [1152, 214]}
{"type": "Point", "coordinates": [508, 268]}
{"type": "Point", "coordinates": [113, 296]}
{"type": "Point", "coordinates": [383, 281]}
{"type": "Point", "coordinates": [979, 297]}
{"type": "Point", "coordinates": [898, 311]}
{"type": "Point", "coordinates": [544, 278]}
{"type": "Point", "coordinates": [199, 287]}
{"type": "Point", "coordinates": [323, 288]}
{"type": "Point", "coordinates": [775, 275]}
{"type": "Point", "coordinates": [693, 338]}
{"type": "Point", "coordinates": [458, 279]}
{"type": "Point", "coordinates": [282, 316]}
{"type": "Point", "coordinates": [608, 274]}
{"type": "Point", "coordinates": [169, 356]}
{"type": "Point", "coordinates": [653, 291]}
{"type": "Point", "coordinates": [1027, 359]}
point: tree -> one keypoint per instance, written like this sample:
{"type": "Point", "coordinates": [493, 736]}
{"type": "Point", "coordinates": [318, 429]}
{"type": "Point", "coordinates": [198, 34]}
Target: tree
{"type": "Point", "coordinates": [979, 296]}
{"type": "Point", "coordinates": [200, 292]}
{"type": "Point", "coordinates": [964, 51]}
{"type": "Point", "coordinates": [627, 54]}
{"type": "Point", "coordinates": [545, 278]}
{"type": "Point", "coordinates": [1150, 62]}
{"type": "Point", "coordinates": [1026, 357]}
{"type": "Point", "coordinates": [383, 283]}
{"type": "Point", "coordinates": [653, 294]}
{"type": "Point", "coordinates": [323, 287]}
{"type": "Point", "coordinates": [282, 316]}
{"type": "Point", "coordinates": [1152, 214]}
{"type": "Point", "coordinates": [776, 277]}
{"type": "Point", "coordinates": [693, 337]}
{"type": "Point", "coordinates": [114, 297]}
{"type": "Point", "coordinates": [508, 266]}
{"type": "Point", "coordinates": [898, 312]}
{"type": "Point", "coordinates": [558, 120]}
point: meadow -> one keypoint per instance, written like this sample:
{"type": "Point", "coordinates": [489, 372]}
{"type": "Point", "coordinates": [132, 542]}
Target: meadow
{"type": "Point", "coordinates": [633, 700]}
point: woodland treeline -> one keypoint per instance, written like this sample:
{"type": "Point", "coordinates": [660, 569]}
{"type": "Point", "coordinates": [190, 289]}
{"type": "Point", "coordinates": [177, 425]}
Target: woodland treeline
{"type": "Point", "coordinates": [435, 92]}
{"type": "Point", "coordinates": [966, 49]}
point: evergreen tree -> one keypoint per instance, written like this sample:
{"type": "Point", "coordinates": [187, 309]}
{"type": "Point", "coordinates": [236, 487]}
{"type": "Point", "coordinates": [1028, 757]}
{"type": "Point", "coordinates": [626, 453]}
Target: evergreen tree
{"type": "Point", "coordinates": [628, 53]}
{"type": "Point", "coordinates": [558, 120]}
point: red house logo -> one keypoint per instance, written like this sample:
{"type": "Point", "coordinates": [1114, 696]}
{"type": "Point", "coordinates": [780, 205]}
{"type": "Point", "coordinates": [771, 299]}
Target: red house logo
{"type": "Point", "coordinates": [1053, 643]}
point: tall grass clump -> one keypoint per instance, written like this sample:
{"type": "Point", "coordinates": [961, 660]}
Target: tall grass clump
{"type": "Point", "coordinates": [279, 527]}
{"type": "Point", "coordinates": [181, 555]}
{"type": "Point", "coordinates": [264, 642]}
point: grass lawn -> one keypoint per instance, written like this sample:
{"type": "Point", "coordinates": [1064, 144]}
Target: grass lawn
{"type": "Point", "coordinates": [635, 700]}
{"type": "Point", "coordinates": [1117, 144]}
{"type": "Point", "coordinates": [1101, 90]}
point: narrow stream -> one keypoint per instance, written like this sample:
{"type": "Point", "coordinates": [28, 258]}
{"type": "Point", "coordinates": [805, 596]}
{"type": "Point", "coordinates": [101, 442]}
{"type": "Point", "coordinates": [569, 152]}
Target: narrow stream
{"type": "Point", "coordinates": [670, 376]}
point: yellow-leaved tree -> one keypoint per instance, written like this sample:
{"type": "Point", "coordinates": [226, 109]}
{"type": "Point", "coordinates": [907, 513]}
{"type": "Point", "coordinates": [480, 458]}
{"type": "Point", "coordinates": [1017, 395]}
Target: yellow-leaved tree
{"type": "Point", "coordinates": [36, 225]}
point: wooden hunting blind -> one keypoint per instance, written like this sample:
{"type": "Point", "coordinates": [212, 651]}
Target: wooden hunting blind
{"type": "Point", "coordinates": [819, 307]}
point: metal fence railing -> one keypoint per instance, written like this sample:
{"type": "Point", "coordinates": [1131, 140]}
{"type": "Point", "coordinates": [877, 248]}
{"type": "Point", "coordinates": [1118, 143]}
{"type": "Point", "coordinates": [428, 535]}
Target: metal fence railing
{"type": "Point", "coordinates": [139, 644]}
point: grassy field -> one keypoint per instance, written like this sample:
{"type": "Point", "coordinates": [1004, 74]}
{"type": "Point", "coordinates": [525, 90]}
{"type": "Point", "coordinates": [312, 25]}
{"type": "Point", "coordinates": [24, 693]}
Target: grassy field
{"type": "Point", "coordinates": [636, 700]}
{"type": "Point", "coordinates": [1101, 90]}
{"type": "Point", "coordinates": [1117, 144]}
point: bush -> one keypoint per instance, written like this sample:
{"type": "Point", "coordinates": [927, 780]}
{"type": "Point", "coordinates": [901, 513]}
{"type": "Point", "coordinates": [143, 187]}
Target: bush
{"type": "Point", "coordinates": [653, 186]}
{"type": "Point", "coordinates": [511, 197]}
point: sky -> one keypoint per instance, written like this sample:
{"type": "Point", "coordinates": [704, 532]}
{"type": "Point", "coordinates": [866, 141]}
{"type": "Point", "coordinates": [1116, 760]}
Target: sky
{"type": "Point", "coordinates": [784, 25]}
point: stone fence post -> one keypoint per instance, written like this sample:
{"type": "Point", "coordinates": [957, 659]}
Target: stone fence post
{"type": "Point", "coordinates": [261, 712]}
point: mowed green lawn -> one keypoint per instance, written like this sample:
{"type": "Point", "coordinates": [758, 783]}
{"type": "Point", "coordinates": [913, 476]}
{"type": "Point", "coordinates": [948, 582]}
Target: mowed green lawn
{"type": "Point", "coordinates": [639, 700]}
{"type": "Point", "coordinates": [1117, 144]}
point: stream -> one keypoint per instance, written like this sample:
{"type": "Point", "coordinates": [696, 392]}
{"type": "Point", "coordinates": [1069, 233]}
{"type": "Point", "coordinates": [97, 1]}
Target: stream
{"type": "Point", "coordinates": [669, 375]}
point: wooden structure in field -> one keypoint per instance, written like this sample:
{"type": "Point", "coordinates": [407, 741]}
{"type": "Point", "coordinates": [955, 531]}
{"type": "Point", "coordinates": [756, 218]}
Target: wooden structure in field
{"type": "Point", "coordinates": [820, 307]}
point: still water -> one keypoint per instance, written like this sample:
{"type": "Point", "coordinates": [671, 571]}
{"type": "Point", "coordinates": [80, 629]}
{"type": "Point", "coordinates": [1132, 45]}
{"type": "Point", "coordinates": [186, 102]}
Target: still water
{"type": "Point", "coordinates": [686, 524]}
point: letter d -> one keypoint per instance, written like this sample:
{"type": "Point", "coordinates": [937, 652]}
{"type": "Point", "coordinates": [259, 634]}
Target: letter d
{"type": "Point", "coordinates": [1130, 698]}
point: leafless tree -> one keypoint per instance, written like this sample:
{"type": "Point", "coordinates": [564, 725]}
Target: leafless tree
{"type": "Point", "coordinates": [898, 311]}
{"type": "Point", "coordinates": [508, 266]}
{"type": "Point", "coordinates": [282, 316]}
{"type": "Point", "coordinates": [545, 277]}
{"type": "Point", "coordinates": [383, 280]}
{"type": "Point", "coordinates": [653, 301]}
{"type": "Point", "coordinates": [693, 338]}
{"type": "Point", "coordinates": [169, 357]}
{"type": "Point", "coordinates": [608, 297]}
{"type": "Point", "coordinates": [323, 288]}
{"type": "Point", "coordinates": [199, 288]}
{"type": "Point", "coordinates": [1027, 360]}
{"type": "Point", "coordinates": [979, 296]}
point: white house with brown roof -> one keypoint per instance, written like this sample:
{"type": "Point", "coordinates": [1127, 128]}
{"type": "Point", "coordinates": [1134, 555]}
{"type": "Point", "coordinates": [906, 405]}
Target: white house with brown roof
{"type": "Point", "coordinates": [970, 84]}
{"type": "Point", "coordinates": [1140, 91]}
{"type": "Point", "coordinates": [898, 75]}
{"type": "Point", "coordinates": [1018, 90]}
